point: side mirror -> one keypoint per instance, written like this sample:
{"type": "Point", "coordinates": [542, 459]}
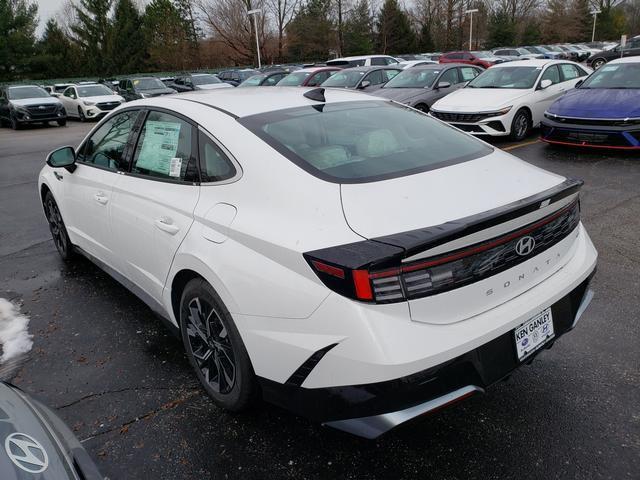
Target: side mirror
{"type": "Point", "coordinates": [64, 157]}
{"type": "Point", "coordinates": [443, 85]}
{"type": "Point", "coordinates": [546, 83]}
{"type": "Point", "coordinates": [364, 84]}
{"type": "Point", "coordinates": [580, 82]}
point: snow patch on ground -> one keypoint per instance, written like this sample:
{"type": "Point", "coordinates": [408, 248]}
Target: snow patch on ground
{"type": "Point", "coordinates": [15, 340]}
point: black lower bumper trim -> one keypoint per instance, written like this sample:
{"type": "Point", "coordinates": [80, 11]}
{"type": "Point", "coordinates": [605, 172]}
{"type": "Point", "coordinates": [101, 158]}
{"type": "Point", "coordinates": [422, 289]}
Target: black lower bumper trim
{"type": "Point", "coordinates": [481, 367]}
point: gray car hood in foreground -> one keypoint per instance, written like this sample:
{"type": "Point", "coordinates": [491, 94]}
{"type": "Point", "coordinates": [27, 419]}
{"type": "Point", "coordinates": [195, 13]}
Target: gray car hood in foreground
{"type": "Point", "coordinates": [35, 444]}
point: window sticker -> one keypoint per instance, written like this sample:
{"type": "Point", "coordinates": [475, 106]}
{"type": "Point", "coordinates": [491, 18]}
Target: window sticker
{"type": "Point", "coordinates": [175, 167]}
{"type": "Point", "coordinates": [610, 68]}
{"type": "Point", "coordinates": [159, 147]}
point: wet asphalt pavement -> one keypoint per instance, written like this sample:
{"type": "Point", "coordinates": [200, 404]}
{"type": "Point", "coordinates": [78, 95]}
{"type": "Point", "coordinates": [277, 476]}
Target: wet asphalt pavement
{"type": "Point", "coordinates": [122, 382]}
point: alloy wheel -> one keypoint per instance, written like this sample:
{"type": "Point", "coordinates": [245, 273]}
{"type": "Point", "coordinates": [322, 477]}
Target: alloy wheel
{"type": "Point", "coordinates": [81, 115]}
{"type": "Point", "coordinates": [56, 226]}
{"type": "Point", "coordinates": [210, 345]}
{"type": "Point", "coordinates": [598, 63]}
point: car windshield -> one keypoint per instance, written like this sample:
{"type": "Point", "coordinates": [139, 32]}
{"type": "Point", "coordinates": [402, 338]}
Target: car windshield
{"type": "Point", "coordinates": [293, 79]}
{"type": "Point", "coordinates": [363, 141]}
{"type": "Point", "coordinates": [205, 79]}
{"type": "Point", "coordinates": [543, 49]}
{"type": "Point", "coordinates": [532, 50]}
{"type": "Point", "coordinates": [523, 51]}
{"type": "Point", "coordinates": [483, 54]}
{"type": "Point", "coordinates": [345, 78]}
{"type": "Point", "coordinates": [254, 81]}
{"type": "Point", "coordinates": [244, 74]}
{"type": "Point", "coordinates": [148, 84]}
{"type": "Point", "coordinates": [93, 91]}
{"type": "Point", "coordinates": [506, 77]}
{"type": "Point", "coordinates": [413, 78]}
{"type": "Point", "coordinates": [20, 93]}
{"type": "Point", "coordinates": [619, 76]}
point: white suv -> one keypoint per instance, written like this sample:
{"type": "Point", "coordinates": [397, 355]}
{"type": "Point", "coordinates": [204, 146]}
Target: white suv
{"type": "Point", "coordinates": [356, 261]}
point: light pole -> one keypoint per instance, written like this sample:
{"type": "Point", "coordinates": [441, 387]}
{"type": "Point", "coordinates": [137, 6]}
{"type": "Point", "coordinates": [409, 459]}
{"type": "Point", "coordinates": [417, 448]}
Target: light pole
{"type": "Point", "coordinates": [253, 13]}
{"type": "Point", "coordinates": [595, 15]}
{"type": "Point", "coordinates": [471, 12]}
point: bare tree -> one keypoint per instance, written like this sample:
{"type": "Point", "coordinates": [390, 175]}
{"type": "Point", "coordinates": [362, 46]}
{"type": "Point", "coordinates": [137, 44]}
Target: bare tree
{"type": "Point", "coordinates": [283, 12]}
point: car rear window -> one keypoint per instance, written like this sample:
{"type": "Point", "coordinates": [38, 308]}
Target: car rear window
{"type": "Point", "coordinates": [357, 142]}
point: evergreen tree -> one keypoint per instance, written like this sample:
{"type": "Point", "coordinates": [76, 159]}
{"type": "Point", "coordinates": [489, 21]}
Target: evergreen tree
{"type": "Point", "coordinates": [531, 34]}
{"type": "Point", "coordinates": [581, 21]}
{"type": "Point", "coordinates": [425, 40]}
{"type": "Point", "coordinates": [394, 29]}
{"type": "Point", "coordinates": [358, 37]}
{"type": "Point", "coordinates": [166, 37]}
{"type": "Point", "coordinates": [18, 22]}
{"type": "Point", "coordinates": [310, 32]}
{"type": "Point", "coordinates": [56, 56]}
{"type": "Point", "coordinates": [127, 47]}
{"type": "Point", "coordinates": [502, 30]}
{"type": "Point", "coordinates": [91, 33]}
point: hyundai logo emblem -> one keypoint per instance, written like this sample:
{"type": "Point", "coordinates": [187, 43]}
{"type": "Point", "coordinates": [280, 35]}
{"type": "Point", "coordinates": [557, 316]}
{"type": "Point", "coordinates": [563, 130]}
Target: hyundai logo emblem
{"type": "Point", "coordinates": [26, 453]}
{"type": "Point", "coordinates": [525, 246]}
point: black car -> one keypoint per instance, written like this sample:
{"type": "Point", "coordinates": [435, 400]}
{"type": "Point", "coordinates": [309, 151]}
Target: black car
{"type": "Point", "coordinates": [421, 87]}
{"type": "Point", "coordinates": [367, 79]}
{"type": "Point", "coordinates": [631, 49]}
{"type": "Point", "coordinates": [25, 104]}
{"type": "Point", "coordinates": [142, 87]}
{"type": "Point", "coordinates": [35, 443]}
{"type": "Point", "coordinates": [266, 79]}
{"type": "Point", "coordinates": [197, 81]}
{"type": "Point", "coordinates": [236, 77]}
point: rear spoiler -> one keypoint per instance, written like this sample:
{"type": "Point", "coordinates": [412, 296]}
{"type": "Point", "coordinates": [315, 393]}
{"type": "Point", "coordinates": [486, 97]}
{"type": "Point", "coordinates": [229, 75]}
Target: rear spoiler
{"type": "Point", "coordinates": [382, 250]}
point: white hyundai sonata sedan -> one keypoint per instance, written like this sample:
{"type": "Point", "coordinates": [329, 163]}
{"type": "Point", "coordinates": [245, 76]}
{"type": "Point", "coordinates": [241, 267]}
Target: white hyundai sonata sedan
{"type": "Point", "coordinates": [509, 99]}
{"type": "Point", "coordinates": [346, 257]}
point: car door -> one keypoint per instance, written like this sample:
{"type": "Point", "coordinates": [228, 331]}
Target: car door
{"type": "Point", "coordinates": [152, 208]}
{"type": "Point", "coordinates": [449, 76]}
{"type": "Point", "coordinates": [570, 75]}
{"type": "Point", "coordinates": [86, 205]}
{"type": "Point", "coordinates": [68, 99]}
{"type": "Point", "coordinates": [376, 79]}
{"type": "Point", "coordinates": [632, 48]}
{"type": "Point", "coordinates": [543, 98]}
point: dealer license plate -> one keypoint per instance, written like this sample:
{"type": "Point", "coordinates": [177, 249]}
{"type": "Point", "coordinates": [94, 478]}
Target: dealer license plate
{"type": "Point", "coordinates": [534, 333]}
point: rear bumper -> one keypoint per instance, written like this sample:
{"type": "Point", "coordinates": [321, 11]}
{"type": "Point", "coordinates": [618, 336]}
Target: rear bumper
{"type": "Point", "coordinates": [369, 410]}
{"type": "Point", "coordinates": [606, 137]}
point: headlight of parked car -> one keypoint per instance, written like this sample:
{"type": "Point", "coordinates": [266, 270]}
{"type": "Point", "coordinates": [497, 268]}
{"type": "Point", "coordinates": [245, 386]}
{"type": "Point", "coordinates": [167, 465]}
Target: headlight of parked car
{"type": "Point", "coordinates": [88, 104]}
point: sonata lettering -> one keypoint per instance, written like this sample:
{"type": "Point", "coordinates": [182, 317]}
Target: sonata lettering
{"type": "Point", "coordinates": [524, 276]}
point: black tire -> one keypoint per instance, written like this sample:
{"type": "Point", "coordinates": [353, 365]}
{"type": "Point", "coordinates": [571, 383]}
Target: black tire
{"type": "Point", "coordinates": [422, 107]}
{"type": "Point", "coordinates": [520, 125]}
{"type": "Point", "coordinates": [15, 124]}
{"type": "Point", "coordinates": [57, 228]}
{"type": "Point", "coordinates": [62, 123]}
{"type": "Point", "coordinates": [81, 115]}
{"type": "Point", "coordinates": [597, 63]}
{"type": "Point", "coordinates": [215, 349]}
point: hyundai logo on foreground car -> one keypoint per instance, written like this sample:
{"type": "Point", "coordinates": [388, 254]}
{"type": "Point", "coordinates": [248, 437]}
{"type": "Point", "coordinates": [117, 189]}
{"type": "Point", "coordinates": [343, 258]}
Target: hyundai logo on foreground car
{"type": "Point", "coordinates": [525, 246]}
{"type": "Point", "coordinates": [26, 453]}
{"type": "Point", "coordinates": [299, 252]}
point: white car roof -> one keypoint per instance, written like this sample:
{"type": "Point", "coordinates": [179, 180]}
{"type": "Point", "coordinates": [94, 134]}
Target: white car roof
{"type": "Point", "coordinates": [359, 57]}
{"type": "Point", "coordinates": [243, 102]}
{"type": "Point", "coordinates": [625, 60]}
{"type": "Point", "coordinates": [530, 63]}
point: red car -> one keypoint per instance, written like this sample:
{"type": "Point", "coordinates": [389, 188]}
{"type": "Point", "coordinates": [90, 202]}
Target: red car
{"type": "Point", "coordinates": [482, 59]}
{"type": "Point", "coordinates": [307, 77]}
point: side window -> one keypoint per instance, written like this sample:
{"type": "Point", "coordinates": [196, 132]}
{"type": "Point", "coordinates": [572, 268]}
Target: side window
{"type": "Point", "coordinates": [69, 93]}
{"type": "Point", "coordinates": [390, 61]}
{"type": "Point", "coordinates": [468, 73]}
{"type": "Point", "coordinates": [450, 76]}
{"type": "Point", "coordinates": [375, 77]}
{"type": "Point", "coordinates": [129, 85]}
{"type": "Point", "coordinates": [378, 61]}
{"type": "Point", "coordinates": [164, 149]}
{"type": "Point", "coordinates": [106, 147]}
{"type": "Point", "coordinates": [569, 72]}
{"type": "Point", "coordinates": [552, 74]}
{"type": "Point", "coordinates": [179, 81]}
{"type": "Point", "coordinates": [389, 74]}
{"type": "Point", "coordinates": [467, 56]}
{"type": "Point", "coordinates": [455, 56]}
{"type": "Point", "coordinates": [215, 166]}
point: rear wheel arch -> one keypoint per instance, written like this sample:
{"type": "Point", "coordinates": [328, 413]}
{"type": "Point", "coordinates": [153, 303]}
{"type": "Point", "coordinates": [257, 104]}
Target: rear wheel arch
{"type": "Point", "coordinates": [178, 284]}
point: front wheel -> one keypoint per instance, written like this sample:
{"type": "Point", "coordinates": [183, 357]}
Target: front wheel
{"type": "Point", "coordinates": [422, 107]}
{"type": "Point", "coordinates": [215, 349]}
{"type": "Point", "coordinates": [520, 126]}
{"type": "Point", "coordinates": [57, 228]}
{"type": "Point", "coordinates": [15, 124]}
{"type": "Point", "coordinates": [62, 123]}
{"type": "Point", "coordinates": [597, 63]}
{"type": "Point", "coordinates": [81, 115]}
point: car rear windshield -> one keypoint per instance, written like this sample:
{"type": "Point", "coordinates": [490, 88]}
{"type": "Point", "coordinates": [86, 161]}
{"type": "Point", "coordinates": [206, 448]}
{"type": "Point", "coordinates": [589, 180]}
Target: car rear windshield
{"type": "Point", "coordinates": [20, 93]}
{"type": "Point", "coordinates": [345, 78]}
{"type": "Point", "coordinates": [506, 77]}
{"type": "Point", "coordinates": [413, 78]}
{"type": "Point", "coordinates": [93, 91]}
{"type": "Point", "coordinates": [205, 79]}
{"type": "Point", "coordinates": [357, 142]}
{"type": "Point", "coordinates": [618, 76]}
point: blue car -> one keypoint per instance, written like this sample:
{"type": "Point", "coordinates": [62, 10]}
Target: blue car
{"type": "Point", "coordinates": [603, 112]}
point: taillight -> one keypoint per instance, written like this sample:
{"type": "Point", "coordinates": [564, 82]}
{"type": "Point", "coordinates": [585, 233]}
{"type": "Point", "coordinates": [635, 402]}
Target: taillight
{"type": "Point", "coordinates": [384, 279]}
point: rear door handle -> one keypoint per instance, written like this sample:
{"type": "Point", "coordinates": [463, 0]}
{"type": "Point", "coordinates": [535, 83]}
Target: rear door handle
{"type": "Point", "coordinates": [166, 225]}
{"type": "Point", "coordinates": [101, 198]}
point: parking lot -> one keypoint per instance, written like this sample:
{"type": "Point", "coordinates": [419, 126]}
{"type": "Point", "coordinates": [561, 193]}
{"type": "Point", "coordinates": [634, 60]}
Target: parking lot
{"type": "Point", "coordinates": [121, 381]}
